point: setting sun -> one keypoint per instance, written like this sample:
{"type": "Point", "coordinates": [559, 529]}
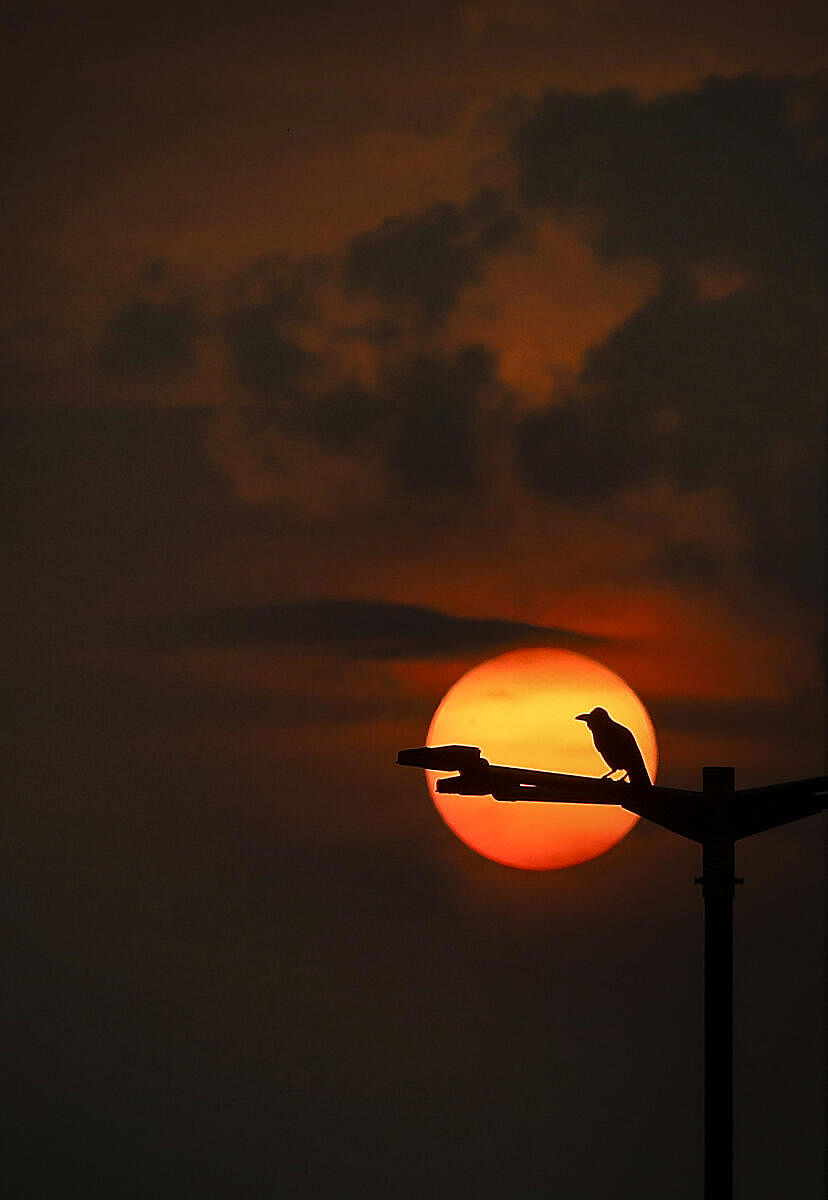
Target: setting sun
{"type": "Point", "coordinates": [520, 709]}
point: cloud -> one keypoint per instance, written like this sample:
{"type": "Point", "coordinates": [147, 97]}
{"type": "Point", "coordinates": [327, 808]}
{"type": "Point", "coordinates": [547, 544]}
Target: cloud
{"type": "Point", "coordinates": [424, 426]}
{"type": "Point", "coordinates": [264, 331]}
{"type": "Point", "coordinates": [380, 372]}
{"type": "Point", "coordinates": [265, 360]}
{"type": "Point", "coordinates": [417, 265]}
{"type": "Point", "coordinates": [794, 718]}
{"type": "Point", "coordinates": [369, 629]}
{"type": "Point", "coordinates": [150, 340]}
{"type": "Point", "coordinates": [717, 172]}
{"type": "Point", "coordinates": [343, 417]}
{"type": "Point", "coordinates": [691, 389]}
{"type": "Point", "coordinates": [439, 401]}
{"type": "Point", "coordinates": [332, 384]}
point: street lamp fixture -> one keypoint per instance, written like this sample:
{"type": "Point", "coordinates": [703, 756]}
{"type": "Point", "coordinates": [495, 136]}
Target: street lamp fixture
{"type": "Point", "coordinates": [716, 817]}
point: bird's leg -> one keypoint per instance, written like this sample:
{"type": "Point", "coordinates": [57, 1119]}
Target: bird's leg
{"type": "Point", "coordinates": [610, 773]}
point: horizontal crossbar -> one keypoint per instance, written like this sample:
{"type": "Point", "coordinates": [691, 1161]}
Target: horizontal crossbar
{"type": "Point", "coordinates": [693, 815]}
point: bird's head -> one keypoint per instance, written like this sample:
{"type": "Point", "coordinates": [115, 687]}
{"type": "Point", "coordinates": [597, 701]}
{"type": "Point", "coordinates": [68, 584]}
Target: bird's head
{"type": "Point", "coordinates": [596, 718]}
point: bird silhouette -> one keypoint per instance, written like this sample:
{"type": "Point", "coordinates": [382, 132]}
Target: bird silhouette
{"type": "Point", "coordinates": [617, 746]}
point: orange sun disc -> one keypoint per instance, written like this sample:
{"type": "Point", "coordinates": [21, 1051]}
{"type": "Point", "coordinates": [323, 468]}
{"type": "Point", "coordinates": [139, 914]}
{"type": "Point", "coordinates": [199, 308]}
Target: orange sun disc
{"type": "Point", "coordinates": [520, 709]}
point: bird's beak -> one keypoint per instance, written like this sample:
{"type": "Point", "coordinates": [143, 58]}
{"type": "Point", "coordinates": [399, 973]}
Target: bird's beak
{"type": "Point", "coordinates": [583, 717]}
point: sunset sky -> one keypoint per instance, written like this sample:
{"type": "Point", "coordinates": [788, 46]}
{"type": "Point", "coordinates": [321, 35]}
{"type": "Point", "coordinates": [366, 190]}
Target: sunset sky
{"type": "Point", "coordinates": [345, 347]}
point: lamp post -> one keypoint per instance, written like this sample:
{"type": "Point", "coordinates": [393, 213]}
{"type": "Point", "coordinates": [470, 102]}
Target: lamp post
{"type": "Point", "coordinates": [718, 887]}
{"type": "Point", "coordinates": [716, 818]}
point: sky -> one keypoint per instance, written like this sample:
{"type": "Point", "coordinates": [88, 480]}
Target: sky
{"type": "Point", "coordinates": [344, 347]}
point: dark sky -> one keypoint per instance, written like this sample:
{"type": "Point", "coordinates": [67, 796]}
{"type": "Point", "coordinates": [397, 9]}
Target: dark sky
{"type": "Point", "coordinates": [343, 347]}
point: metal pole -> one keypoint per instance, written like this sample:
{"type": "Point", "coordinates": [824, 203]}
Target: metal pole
{"type": "Point", "coordinates": [718, 888]}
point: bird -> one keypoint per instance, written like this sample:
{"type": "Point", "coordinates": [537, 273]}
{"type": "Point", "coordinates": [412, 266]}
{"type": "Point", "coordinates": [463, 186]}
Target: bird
{"type": "Point", "coordinates": [617, 746]}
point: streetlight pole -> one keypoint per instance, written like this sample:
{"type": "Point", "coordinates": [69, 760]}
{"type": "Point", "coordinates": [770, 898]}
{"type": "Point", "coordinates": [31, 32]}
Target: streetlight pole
{"type": "Point", "coordinates": [718, 889]}
{"type": "Point", "coordinates": [716, 818]}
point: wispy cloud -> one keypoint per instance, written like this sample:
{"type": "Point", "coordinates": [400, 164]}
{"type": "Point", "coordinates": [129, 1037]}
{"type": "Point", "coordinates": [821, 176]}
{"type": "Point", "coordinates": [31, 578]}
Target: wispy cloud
{"type": "Point", "coordinates": [370, 629]}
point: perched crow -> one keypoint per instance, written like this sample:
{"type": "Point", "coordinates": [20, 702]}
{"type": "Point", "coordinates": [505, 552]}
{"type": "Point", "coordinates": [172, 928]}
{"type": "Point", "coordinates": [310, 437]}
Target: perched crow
{"type": "Point", "coordinates": [616, 745]}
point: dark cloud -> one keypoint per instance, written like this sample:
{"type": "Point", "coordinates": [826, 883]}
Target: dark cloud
{"type": "Point", "coordinates": [423, 411]}
{"type": "Point", "coordinates": [418, 264]}
{"type": "Point", "coordinates": [717, 172]}
{"type": "Point", "coordinates": [573, 453]}
{"type": "Point", "coordinates": [379, 332]}
{"type": "Point", "coordinates": [263, 332]}
{"type": "Point", "coordinates": [687, 385]}
{"type": "Point", "coordinates": [439, 401]}
{"type": "Point", "coordinates": [705, 392]}
{"type": "Point", "coordinates": [428, 419]}
{"type": "Point", "coordinates": [799, 718]}
{"type": "Point", "coordinates": [357, 628]}
{"type": "Point", "coordinates": [342, 418]}
{"type": "Point", "coordinates": [265, 360]}
{"type": "Point", "coordinates": [150, 339]}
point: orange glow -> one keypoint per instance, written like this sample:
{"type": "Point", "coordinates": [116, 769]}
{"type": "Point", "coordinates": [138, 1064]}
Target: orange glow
{"type": "Point", "coordinates": [520, 709]}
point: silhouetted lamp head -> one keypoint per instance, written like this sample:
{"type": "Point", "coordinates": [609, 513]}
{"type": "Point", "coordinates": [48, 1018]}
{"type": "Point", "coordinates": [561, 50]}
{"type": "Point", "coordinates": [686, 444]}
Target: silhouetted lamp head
{"type": "Point", "coordinates": [598, 716]}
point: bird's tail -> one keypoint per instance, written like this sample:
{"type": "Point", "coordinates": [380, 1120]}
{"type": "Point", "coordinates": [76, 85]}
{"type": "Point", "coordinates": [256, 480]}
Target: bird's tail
{"type": "Point", "coordinates": [638, 774]}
